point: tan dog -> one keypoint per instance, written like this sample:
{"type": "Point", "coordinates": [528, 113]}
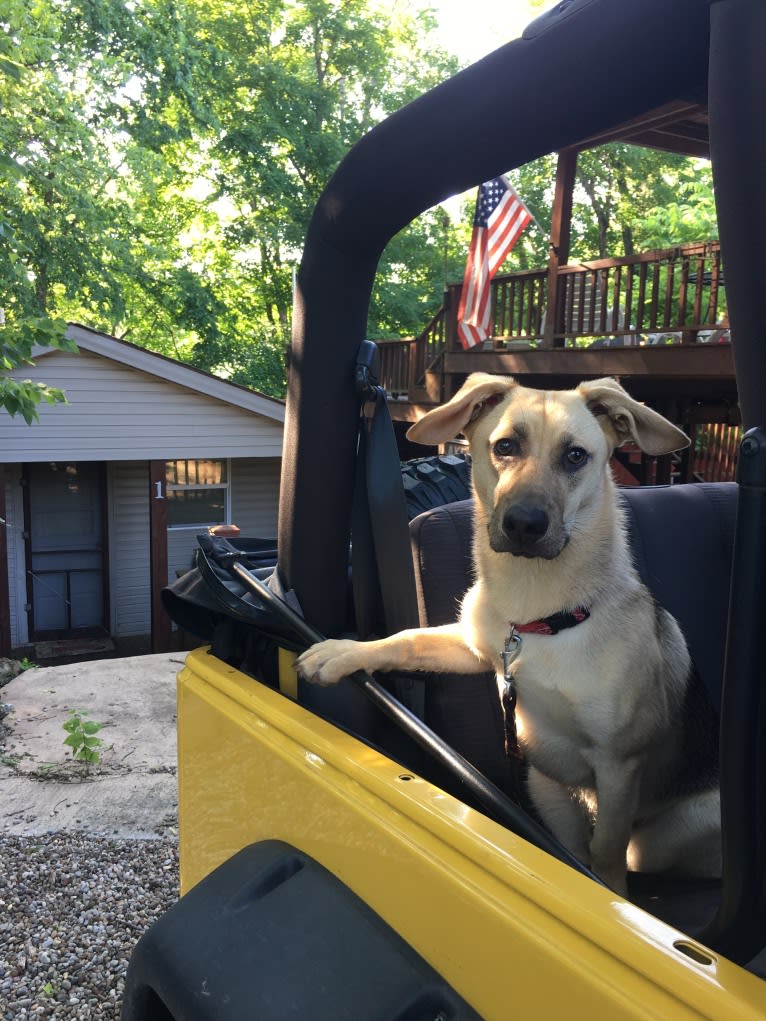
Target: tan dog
{"type": "Point", "coordinates": [599, 704]}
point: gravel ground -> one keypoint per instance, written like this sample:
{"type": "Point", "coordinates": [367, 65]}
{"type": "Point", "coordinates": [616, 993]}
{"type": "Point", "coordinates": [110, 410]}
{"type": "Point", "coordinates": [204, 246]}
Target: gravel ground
{"type": "Point", "coordinates": [72, 907]}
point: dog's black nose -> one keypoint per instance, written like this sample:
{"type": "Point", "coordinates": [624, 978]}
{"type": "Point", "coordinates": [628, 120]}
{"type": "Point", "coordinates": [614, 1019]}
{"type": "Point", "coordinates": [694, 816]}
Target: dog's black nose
{"type": "Point", "coordinates": [525, 524]}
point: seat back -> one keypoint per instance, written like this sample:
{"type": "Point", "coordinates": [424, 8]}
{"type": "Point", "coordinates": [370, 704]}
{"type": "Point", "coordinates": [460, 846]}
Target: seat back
{"type": "Point", "coordinates": [464, 710]}
{"type": "Point", "coordinates": [681, 539]}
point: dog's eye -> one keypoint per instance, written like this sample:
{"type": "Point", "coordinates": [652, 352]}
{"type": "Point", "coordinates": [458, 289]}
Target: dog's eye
{"type": "Point", "coordinates": [575, 457]}
{"type": "Point", "coordinates": [506, 447]}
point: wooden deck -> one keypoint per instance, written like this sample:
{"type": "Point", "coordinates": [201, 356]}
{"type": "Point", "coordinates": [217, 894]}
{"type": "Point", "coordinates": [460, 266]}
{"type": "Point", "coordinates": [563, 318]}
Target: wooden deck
{"type": "Point", "coordinates": [656, 320]}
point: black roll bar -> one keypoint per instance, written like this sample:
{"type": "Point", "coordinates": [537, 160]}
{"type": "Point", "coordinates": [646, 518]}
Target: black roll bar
{"type": "Point", "coordinates": [592, 65]}
{"type": "Point", "coordinates": [584, 67]}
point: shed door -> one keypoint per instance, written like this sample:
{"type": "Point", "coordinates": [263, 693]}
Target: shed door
{"type": "Point", "coordinates": [66, 543]}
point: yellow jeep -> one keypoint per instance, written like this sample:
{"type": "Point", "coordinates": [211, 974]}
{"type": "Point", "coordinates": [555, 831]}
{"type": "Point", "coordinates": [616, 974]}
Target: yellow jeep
{"type": "Point", "coordinates": [340, 858]}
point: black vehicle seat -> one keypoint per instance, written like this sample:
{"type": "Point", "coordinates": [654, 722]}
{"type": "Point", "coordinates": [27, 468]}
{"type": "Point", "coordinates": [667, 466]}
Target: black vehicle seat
{"type": "Point", "coordinates": [682, 539]}
{"type": "Point", "coordinates": [462, 709]}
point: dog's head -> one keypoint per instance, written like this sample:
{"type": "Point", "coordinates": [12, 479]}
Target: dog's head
{"type": "Point", "coordinates": [541, 457]}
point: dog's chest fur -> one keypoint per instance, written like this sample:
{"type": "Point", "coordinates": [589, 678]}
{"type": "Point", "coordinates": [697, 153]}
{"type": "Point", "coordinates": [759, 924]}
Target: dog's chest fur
{"type": "Point", "coordinates": [565, 709]}
{"type": "Point", "coordinates": [575, 696]}
{"type": "Point", "coordinates": [565, 706]}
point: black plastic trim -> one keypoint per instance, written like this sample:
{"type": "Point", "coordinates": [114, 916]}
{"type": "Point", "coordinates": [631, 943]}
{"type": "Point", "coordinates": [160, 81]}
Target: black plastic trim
{"type": "Point", "coordinates": [271, 935]}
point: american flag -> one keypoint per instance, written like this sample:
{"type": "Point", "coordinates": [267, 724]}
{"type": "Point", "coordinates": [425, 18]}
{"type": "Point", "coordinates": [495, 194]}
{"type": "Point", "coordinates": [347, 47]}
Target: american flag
{"type": "Point", "coordinates": [500, 218]}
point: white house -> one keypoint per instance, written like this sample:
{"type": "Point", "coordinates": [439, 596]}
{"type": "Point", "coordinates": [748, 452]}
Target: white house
{"type": "Point", "coordinates": [101, 500]}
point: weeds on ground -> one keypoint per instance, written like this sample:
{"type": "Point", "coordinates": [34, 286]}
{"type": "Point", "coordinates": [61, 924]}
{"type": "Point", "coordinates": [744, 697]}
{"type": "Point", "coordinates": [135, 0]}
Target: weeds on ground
{"type": "Point", "coordinates": [81, 737]}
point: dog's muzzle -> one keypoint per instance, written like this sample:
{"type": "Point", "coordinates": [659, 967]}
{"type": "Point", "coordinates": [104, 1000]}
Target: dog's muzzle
{"type": "Point", "coordinates": [524, 530]}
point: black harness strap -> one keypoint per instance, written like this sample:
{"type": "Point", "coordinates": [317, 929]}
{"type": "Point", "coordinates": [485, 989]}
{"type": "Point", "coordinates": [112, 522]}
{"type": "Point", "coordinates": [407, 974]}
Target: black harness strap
{"type": "Point", "coordinates": [385, 596]}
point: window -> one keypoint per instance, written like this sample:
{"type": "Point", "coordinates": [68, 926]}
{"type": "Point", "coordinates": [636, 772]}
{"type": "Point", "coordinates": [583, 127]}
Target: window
{"type": "Point", "coordinates": [197, 493]}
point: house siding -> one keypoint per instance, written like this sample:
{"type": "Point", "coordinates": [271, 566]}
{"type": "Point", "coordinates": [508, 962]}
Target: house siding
{"type": "Point", "coordinates": [182, 542]}
{"type": "Point", "coordinates": [120, 413]}
{"type": "Point", "coordinates": [128, 408]}
{"type": "Point", "coordinates": [129, 566]}
{"type": "Point", "coordinates": [255, 496]}
{"type": "Point", "coordinates": [254, 504]}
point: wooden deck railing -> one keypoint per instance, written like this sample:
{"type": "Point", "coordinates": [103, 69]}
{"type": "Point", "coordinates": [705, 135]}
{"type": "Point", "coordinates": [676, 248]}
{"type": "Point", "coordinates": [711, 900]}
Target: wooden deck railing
{"type": "Point", "coordinates": [715, 450]}
{"type": "Point", "coordinates": [672, 296]}
{"type": "Point", "coordinates": [677, 291]}
{"type": "Point", "coordinates": [395, 358]}
{"type": "Point", "coordinates": [404, 363]}
{"type": "Point", "coordinates": [517, 309]}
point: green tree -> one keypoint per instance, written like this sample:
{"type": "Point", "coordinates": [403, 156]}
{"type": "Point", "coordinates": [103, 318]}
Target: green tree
{"type": "Point", "coordinates": [94, 139]}
{"type": "Point", "coordinates": [626, 199]}
{"type": "Point", "coordinates": [304, 82]}
{"type": "Point", "coordinates": [164, 159]}
{"type": "Point", "coordinates": [159, 162]}
{"type": "Point", "coordinates": [620, 190]}
{"type": "Point", "coordinates": [17, 342]}
{"type": "Point", "coordinates": [20, 331]}
{"type": "Point", "coordinates": [688, 212]}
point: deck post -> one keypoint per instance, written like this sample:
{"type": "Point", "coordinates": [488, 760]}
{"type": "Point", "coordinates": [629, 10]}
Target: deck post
{"type": "Point", "coordinates": [561, 226]}
{"type": "Point", "coordinates": [449, 384]}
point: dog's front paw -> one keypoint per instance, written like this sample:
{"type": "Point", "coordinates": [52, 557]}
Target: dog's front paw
{"type": "Point", "coordinates": [327, 662]}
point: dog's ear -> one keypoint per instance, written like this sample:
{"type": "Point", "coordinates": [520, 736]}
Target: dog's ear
{"type": "Point", "coordinates": [623, 418]}
{"type": "Point", "coordinates": [479, 393]}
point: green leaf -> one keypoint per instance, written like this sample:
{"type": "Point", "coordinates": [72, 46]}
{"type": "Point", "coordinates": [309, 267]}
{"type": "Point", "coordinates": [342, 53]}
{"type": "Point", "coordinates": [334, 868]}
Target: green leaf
{"type": "Point", "coordinates": [87, 755]}
{"type": "Point", "coordinates": [11, 68]}
{"type": "Point", "coordinates": [14, 169]}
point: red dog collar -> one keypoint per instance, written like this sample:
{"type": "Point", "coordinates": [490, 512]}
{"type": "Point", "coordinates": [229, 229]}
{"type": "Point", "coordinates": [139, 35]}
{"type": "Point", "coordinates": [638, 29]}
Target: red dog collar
{"type": "Point", "coordinates": [553, 624]}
